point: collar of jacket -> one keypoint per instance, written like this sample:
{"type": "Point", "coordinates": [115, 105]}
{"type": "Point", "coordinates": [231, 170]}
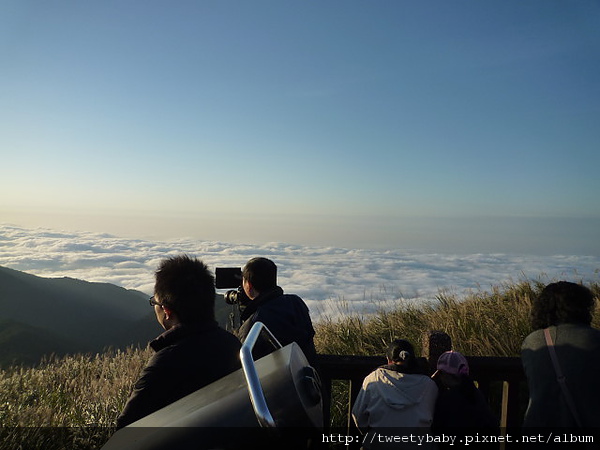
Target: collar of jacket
{"type": "Point", "coordinates": [261, 299]}
{"type": "Point", "coordinates": [397, 368]}
{"type": "Point", "coordinates": [179, 332]}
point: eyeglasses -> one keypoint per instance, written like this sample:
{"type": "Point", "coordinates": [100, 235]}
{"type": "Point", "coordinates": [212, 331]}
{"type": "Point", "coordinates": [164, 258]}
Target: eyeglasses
{"type": "Point", "coordinates": [153, 302]}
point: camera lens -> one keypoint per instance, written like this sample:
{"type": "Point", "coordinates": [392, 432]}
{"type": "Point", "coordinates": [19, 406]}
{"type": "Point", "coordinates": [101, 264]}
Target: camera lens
{"type": "Point", "coordinates": [231, 297]}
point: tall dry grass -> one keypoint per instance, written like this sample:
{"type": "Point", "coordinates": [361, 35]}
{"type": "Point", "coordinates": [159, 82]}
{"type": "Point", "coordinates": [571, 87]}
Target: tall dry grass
{"type": "Point", "coordinates": [71, 402]}
{"type": "Point", "coordinates": [79, 390]}
{"type": "Point", "coordinates": [481, 323]}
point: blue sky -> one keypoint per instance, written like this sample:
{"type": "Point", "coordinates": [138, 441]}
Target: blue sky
{"type": "Point", "coordinates": [450, 126]}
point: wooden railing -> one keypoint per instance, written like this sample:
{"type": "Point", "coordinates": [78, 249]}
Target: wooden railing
{"type": "Point", "coordinates": [500, 379]}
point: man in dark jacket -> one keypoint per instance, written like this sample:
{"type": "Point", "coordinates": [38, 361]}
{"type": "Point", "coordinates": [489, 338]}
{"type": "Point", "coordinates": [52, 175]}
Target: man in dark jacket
{"type": "Point", "coordinates": [285, 315]}
{"type": "Point", "coordinates": [193, 351]}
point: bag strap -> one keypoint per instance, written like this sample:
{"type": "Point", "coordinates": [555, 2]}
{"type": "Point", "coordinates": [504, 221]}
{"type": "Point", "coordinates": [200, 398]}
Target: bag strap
{"type": "Point", "coordinates": [562, 381]}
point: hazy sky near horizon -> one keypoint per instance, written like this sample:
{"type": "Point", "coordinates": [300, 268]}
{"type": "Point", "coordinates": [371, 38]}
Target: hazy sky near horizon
{"type": "Point", "coordinates": [440, 126]}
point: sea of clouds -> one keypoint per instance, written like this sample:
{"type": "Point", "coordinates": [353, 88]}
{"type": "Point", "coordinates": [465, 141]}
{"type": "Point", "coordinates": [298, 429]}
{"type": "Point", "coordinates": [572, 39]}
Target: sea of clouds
{"type": "Point", "coordinates": [332, 280]}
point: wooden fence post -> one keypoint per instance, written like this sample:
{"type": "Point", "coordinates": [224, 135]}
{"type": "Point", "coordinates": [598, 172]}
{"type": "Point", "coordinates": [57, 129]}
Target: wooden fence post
{"type": "Point", "coordinates": [434, 344]}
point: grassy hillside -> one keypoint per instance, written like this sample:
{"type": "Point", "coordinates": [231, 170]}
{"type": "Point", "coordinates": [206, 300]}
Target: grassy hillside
{"type": "Point", "coordinates": [82, 392]}
{"type": "Point", "coordinates": [89, 391]}
{"type": "Point", "coordinates": [484, 323]}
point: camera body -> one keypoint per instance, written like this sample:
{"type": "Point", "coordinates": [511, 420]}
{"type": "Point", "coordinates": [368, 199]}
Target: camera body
{"type": "Point", "coordinates": [231, 278]}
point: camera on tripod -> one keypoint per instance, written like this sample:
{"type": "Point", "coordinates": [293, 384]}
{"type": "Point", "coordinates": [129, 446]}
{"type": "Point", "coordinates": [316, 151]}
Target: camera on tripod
{"type": "Point", "coordinates": [228, 278]}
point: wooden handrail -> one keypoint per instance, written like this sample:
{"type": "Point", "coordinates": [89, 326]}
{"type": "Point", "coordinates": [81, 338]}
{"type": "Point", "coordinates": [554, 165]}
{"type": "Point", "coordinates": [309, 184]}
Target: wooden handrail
{"type": "Point", "coordinates": [501, 379]}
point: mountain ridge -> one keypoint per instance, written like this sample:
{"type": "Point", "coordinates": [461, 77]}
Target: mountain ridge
{"type": "Point", "coordinates": [41, 316]}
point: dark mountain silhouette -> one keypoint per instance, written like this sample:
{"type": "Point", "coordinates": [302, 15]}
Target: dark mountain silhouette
{"type": "Point", "coordinates": [40, 316]}
{"type": "Point", "coordinates": [26, 345]}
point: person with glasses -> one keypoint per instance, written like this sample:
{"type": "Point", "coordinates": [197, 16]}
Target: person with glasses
{"type": "Point", "coordinates": [193, 351]}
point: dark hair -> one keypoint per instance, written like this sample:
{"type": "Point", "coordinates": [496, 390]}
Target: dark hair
{"type": "Point", "coordinates": [187, 286]}
{"type": "Point", "coordinates": [261, 273]}
{"type": "Point", "coordinates": [562, 302]}
{"type": "Point", "coordinates": [402, 353]}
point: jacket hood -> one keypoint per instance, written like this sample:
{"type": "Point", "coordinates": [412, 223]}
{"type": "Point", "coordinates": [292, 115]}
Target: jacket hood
{"type": "Point", "coordinates": [400, 390]}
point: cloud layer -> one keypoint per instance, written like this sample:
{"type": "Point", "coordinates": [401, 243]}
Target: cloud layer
{"type": "Point", "coordinates": [331, 280]}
